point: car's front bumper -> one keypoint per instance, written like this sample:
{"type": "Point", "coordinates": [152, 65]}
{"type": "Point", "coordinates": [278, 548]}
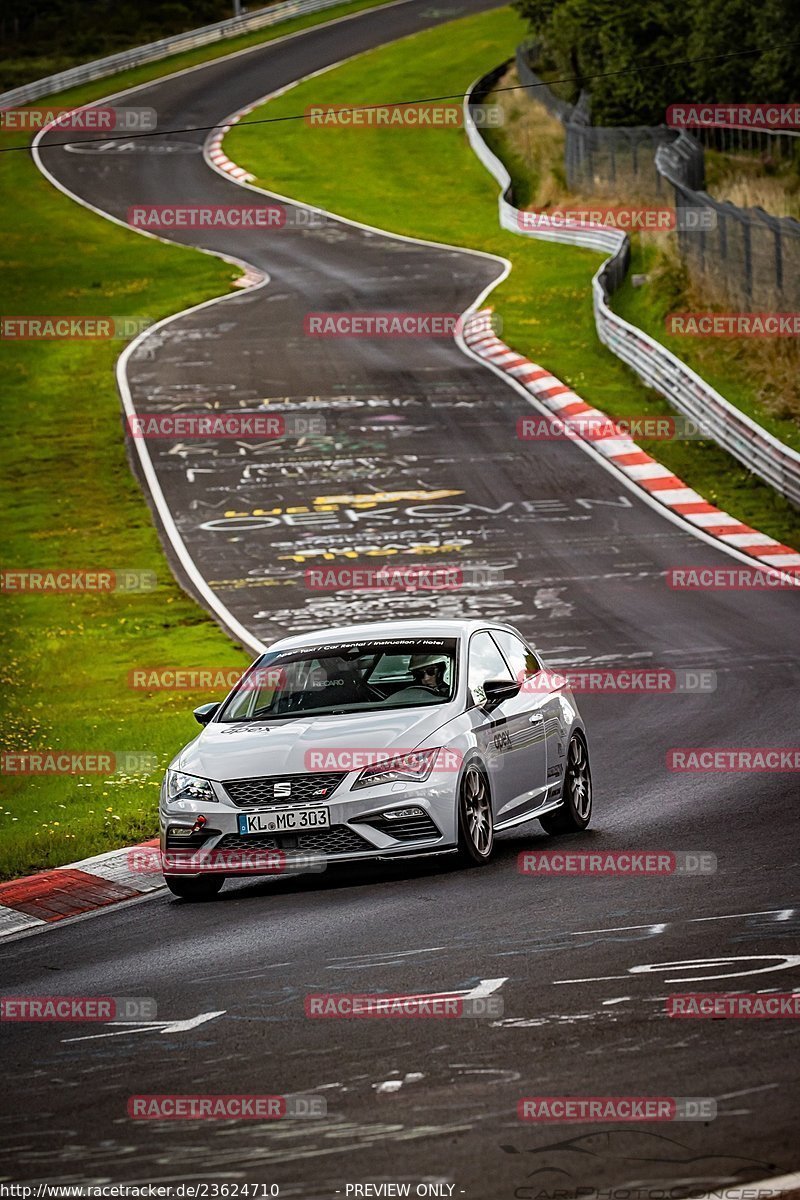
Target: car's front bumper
{"type": "Point", "coordinates": [358, 830]}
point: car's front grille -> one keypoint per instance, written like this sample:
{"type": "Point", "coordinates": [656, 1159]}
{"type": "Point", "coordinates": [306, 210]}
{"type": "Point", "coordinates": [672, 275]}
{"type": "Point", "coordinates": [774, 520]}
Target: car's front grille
{"type": "Point", "coordinates": [283, 789]}
{"type": "Point", "coordinates": [339, 839]}
{"type": "Point", "coordinates": [405, 829]}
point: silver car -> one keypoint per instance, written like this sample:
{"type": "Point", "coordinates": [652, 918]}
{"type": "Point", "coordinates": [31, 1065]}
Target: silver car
{"type": "Point", "coordinates": [397, 738]}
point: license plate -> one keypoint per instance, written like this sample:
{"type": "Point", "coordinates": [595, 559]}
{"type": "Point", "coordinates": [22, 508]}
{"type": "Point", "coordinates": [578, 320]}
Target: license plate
{"type": "Point", "coordinates": [279, 821]}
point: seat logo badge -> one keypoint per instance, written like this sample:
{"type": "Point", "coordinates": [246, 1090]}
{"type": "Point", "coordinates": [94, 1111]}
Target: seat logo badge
{"type": "Point", "coordinates": [281, 789]}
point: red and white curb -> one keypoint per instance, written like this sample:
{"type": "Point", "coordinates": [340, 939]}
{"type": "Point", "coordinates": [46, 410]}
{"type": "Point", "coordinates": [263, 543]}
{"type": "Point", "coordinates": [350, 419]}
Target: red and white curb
{"type": "Point", "coordinates": [74, 889]}
{"type": "Point", "coordinates": [218, 156]}
{"type": "Point", "coordinates": [621, 451]}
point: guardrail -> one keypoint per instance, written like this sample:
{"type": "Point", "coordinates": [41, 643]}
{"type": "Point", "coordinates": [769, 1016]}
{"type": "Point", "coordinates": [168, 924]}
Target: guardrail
{"type": "Point", "coordinates": [231, 27]}
{"type": "Point", "coordinates": [749, 443]}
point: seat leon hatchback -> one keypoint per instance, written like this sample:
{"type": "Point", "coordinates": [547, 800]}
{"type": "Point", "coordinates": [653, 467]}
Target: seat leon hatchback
{"type": "Point", "coordinates": [374, 741]}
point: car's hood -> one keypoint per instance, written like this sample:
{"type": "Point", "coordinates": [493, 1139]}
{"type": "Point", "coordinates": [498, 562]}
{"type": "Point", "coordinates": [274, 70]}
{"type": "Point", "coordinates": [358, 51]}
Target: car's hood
{"type": "Point", "coordinates": [242, 751]}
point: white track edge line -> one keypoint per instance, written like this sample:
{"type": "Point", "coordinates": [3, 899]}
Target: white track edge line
{"type": "Point", "coordinates": [176, 541]}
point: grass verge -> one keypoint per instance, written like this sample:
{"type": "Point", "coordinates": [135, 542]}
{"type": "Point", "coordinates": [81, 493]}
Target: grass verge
{"type": "Point", "coordinates": [70, 502]}
{"type": "Point", "coordinates": [427, 183]}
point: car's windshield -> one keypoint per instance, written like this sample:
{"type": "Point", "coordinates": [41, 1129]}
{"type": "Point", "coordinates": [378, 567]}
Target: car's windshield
{"type": "Point", "coordinates": [363, 676]}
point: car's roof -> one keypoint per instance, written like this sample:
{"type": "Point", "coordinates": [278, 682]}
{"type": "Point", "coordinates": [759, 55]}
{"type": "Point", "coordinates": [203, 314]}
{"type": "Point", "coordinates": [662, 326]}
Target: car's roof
{"type": "Point", "coordinates": [434, 627]}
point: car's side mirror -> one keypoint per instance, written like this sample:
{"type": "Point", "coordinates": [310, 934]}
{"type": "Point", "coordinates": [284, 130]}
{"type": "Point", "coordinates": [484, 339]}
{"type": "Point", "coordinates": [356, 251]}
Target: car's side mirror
{"type": "Point", "coordinates": [205, 713]}
{"type": "Point", "coordinates": [498, 690]}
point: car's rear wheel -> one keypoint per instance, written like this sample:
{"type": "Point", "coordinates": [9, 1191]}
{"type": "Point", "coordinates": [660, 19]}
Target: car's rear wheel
{"type": "Point", "coordinates": [204, 888]}
{"type": "Point", "coordinates": [576, 808]}
{"type": "Point", "coordinates": [475, 822]}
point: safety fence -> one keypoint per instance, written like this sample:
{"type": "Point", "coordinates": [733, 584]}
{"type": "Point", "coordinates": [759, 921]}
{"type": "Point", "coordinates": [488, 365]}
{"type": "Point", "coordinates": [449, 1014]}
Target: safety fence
{"type": "Point", "coordinates": [743, 255]}
{"type": "Point", "coordinates": [747, 254]}
{"type": "Point", "coordinates": [603, 158]}
{"type": "Point", "coordinates": [755, 448]}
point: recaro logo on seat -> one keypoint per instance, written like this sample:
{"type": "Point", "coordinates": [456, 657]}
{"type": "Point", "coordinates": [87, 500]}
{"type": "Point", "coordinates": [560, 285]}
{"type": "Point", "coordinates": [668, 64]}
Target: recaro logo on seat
{"type": "Point", "coordinates": [282, 789]}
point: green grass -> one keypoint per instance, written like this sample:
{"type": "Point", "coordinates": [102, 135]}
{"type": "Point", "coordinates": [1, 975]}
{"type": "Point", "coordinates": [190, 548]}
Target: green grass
{"type": "Point", "coordinates": [70, 501]}
{"type": "Point", "coordinates": [427, 183]}
{"type": "Point", "coordinates": [760, 386]}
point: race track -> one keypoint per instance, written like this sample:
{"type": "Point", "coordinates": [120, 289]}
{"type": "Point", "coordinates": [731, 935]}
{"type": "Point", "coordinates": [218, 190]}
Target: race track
{"type": "Point", "coordinates": [584, 558]}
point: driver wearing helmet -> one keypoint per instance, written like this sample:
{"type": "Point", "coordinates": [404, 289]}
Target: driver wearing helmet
{"type": "Point", "coordinates": [428, 671]}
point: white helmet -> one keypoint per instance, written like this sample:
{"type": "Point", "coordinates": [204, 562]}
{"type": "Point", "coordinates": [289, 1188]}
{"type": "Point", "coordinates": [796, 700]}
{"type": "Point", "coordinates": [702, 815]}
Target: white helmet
{"type": "Point", "coordinates": [418, 661]}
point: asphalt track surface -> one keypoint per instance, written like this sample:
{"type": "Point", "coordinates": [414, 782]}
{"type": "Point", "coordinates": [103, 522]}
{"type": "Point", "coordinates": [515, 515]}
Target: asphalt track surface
{"type": "Point", "coordinates": [585, 559]}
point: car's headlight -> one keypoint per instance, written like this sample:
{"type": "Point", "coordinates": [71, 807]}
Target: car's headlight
{"type": "Point", "coordinates": [178, 786]}
{"type": "Point", "coordinates": [408, 768]}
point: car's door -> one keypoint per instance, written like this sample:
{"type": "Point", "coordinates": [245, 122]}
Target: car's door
{"type": "Point", "coordinates": [511, 735]}
{"type": "Point", "coordinates": [543, 687]}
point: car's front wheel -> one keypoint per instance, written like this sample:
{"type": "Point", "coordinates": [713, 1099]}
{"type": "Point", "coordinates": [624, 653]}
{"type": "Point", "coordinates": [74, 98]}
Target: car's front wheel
{"type": "Point", "coordinates": [204, 888]}
{"type": "Point", "coordinates": [576, 808]}
{"type": "Point", "coordinates": [475, 822]}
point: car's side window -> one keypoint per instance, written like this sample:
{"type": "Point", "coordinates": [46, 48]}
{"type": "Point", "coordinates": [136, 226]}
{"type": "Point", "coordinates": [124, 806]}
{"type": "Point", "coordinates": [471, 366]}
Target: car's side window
{"type": "Point", "coordinates": [485, 662]}
{"type": "Point", "coordinates": [520, 658]}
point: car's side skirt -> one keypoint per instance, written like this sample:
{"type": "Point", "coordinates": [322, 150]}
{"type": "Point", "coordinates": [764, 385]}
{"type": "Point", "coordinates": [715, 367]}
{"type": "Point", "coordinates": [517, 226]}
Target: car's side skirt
{"type": "Point", "coordinates": [529, 816]}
